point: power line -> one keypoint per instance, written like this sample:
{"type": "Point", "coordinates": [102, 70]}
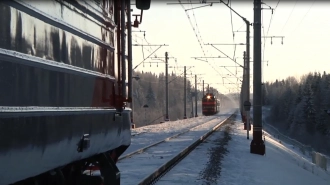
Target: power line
{"type": "Point", "coordinates": [240, 26]}
{"type": "Point", "coordinates": [144, 39]}
{"type": "Point", "coordinates": [289, 16]}
{"type": "Point", "coordinates": [304, 17]}
{"type": "Point", "coordinates": [270, 22]}
{"type": "Point", "coordinates": [192, 26]}
{"type": "Point", "coordinates": [232, 28]}
{"type": "Point", "coordinates": [193, 12]}
{"type": "Point", "coordinates": [199, 39]}
{"type": "Point", "coordinates": [278, 2]}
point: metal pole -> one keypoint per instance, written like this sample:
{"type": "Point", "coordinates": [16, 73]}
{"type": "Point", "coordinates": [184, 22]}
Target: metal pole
{"type": "Point", "coordinates": [247, 59]}
{"type": "Point", "coordinates": [166, 85]}
{"type": "Point", "coordinates": [241, 101]}
{"type": "Point", "coordinates": [244, 86]}
{"type": "Point", "coordinates": [245, 92]}
{"type": "Point", "coordinates": [257, 144]}
{"type": "Point", "coordinates": [129, 62]}
{"type": "Point", "coordinates": [203, 87]}
{"type": "Point", "coordinates": [123, 58]}
{"type": "Point", "coordinates": [192, 107]}
{"type": "Point", "coordinates": [247, 124]}
{"type": "Point", "coordinates": [185, 95]}
{"type": "Point", "coordinates": [196, 96]}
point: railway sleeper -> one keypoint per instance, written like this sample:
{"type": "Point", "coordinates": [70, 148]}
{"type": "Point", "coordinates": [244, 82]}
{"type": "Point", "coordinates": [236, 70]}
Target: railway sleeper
{"type": "Point", "coordinates": [76, 173]}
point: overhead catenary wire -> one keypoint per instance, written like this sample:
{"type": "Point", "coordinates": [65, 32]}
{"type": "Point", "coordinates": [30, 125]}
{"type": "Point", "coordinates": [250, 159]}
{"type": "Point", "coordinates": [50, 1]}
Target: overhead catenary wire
{"type": "Point", "coordinates": [149, 50]}
{"type": "Point", "coordinates": [200, 40]}
{"type": "Point", "coordinates": [229, 5]}
{"type": "Point", "coordinates": [271, 17]}
{"type": "Point", "coordinates": [197, 28]}
{"type": "Point", "coordinates": [232, 28]}
{"type": "Point", "coordinates": [265, 38]}
{"type": "Point", "coordinates": [289, 16]}
{"type": "Point", "coordinates": [196, 34]}
{"type": "Point", "coordinates": [303, 17]}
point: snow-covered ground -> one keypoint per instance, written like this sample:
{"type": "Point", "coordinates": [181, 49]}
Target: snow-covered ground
{"type": "Point", "coordinates": [144, 136]}
{"type": "Point", "coordinates": [222, 159]}
{"type": "Point", "coordinates": [202, 165]}
{"type": "Point", "coordinates": [288, 142]}
{"type": "Point", "coordinates": [237, 165]}
{"type": "Point", "coordinates": [280, 165]}
{"type": "Point", "coordinates": [137, 167]}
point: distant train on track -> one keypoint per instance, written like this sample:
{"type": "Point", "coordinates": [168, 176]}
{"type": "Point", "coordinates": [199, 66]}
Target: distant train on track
{"type": "Point", "coordinates": [210, 104]}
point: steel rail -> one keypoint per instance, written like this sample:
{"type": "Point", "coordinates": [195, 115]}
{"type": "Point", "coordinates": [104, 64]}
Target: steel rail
{"type": "Point", "coordinates": [162, 141]}
{"type": "Point", "coordinates": [166, 167]}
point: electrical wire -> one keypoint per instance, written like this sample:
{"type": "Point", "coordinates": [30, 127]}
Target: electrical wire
{"type": "Point", "coordinates": [265, 39]}
{"type": "Point", "coordinates": [197, 28]}
{"type": "Point", "coordinates": [192, 26]}
{"type": "Point", "coordinates": [289, 16]}
{"type": "Point", "coordinates": [232, 28]}
{"type": "Point", "coordinates": [241, 26]}
{"type": "Point", "coordinates": [278, 2]}
{"type": "Point", "coordinates": [196, 34]}
{"type": "Point", "coordinates": [229, 5]}
{"type": "Point", "coordinates": [135, 40]}
{"type": "Point", "coordinates": [149, 50]}
{"type": "Point", "coordinates": [303, 17]}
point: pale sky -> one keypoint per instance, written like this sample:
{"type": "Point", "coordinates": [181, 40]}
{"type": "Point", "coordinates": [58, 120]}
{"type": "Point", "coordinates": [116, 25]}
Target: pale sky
{"type": "Point", "coordinates": [305, 26]}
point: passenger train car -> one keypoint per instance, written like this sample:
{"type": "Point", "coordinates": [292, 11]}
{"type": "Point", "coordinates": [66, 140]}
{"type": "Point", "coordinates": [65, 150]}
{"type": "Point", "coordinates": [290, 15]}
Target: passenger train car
{"type": "Point", "coordinates": [63, 90]}
{"type": "Point", "coordinates": [210, 104]}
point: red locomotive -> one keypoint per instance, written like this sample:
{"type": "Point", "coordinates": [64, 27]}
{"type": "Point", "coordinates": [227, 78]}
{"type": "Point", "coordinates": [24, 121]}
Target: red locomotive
{"type": "Point", "coordinates": [210, 104]}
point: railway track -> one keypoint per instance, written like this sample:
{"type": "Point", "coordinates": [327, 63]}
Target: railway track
{"type": "Point", "coordinates": [193, 119]}
{"type": "Point", "coordinates": [167, 166]}
{"type": "Point", "coordinates": [145, 136]}
{"type": "Point", "coordinates": [159, 156]}
{"type": "Point", "coordinates": [164, 140]}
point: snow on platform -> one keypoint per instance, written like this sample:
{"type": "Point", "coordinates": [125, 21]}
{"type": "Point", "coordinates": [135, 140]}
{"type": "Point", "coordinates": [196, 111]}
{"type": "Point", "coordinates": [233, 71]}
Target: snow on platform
{"type": "Point", "coordinates": [279, 166]}
{"type": "Point", "coordinates": [236, 165]}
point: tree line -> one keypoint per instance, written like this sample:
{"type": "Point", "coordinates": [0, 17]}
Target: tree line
{"type": "Point", "coordinates": [149, 90]}
{"type": "Point", "coordinates": [297, 108]}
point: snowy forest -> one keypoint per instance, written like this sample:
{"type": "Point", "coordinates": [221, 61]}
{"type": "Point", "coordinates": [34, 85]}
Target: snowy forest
{"type": "Point", "coordinates": [297, 108]}
{"type": "Point", "coordinates": [149, 90]}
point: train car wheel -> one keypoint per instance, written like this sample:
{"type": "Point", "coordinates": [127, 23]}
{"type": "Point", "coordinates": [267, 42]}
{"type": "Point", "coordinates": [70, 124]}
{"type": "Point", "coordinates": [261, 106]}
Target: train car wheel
{"type": "Point", "coordinates": [109, 170]}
